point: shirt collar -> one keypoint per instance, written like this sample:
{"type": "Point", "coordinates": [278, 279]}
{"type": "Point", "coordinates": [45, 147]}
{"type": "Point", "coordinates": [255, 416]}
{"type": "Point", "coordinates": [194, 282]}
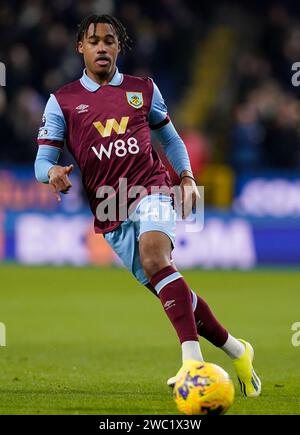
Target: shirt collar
{"type": "Point", "coordinates": [92, 86]}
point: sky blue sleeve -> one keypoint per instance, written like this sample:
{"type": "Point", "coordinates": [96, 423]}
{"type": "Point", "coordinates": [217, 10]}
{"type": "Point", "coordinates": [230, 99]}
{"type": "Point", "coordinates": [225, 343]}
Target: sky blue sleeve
{"type": "Point", "coordinates": [167, 135]}
{"type": "Point", "coordinates": [50, 139]}
{"type": "Point", "coordinates": [158, 111]}
{"type": "Point", "coordinates": [174, 148]}
{"type": "Point", "coordinates": [47, 156]}
{"type": "Point", "coordinates": [53, 126]}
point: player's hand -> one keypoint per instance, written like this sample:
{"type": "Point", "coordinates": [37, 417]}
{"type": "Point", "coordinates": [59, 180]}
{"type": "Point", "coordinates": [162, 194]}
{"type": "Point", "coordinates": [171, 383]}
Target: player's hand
{"type": "Point", "coordinates": [59, 179]}
{"type": "Point", "coordinates": [189, 196]}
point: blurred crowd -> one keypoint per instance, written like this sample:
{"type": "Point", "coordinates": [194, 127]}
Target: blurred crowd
{"type": "Point", "coordinates": [265, 131]}
{"type": "Point", "coordinates": [37, 45]}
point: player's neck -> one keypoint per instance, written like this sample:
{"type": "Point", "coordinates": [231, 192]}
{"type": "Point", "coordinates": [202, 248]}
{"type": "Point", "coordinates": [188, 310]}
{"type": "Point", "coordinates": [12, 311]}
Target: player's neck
{"type": "Point", "coordinates": [101, 80]}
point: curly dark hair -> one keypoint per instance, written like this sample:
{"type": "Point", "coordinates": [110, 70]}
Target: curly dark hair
{"type": "Point", "coordinates": [124, 40]}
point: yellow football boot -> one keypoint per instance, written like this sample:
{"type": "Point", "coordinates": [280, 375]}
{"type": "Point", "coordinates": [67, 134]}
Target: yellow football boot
{"type": "Point", "coordinates": [249, 381]}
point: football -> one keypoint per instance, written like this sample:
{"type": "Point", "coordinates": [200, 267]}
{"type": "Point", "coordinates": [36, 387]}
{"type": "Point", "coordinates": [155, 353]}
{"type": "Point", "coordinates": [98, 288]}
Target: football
{"type": "Point", "coordinates": [202, 389]}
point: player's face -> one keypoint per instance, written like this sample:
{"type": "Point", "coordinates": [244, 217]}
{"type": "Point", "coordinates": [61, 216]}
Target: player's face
{"type": "Point", "coordinates": [100, 48]}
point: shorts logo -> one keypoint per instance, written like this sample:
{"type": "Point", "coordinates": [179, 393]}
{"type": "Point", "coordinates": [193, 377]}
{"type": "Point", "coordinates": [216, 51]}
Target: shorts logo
{"type": "Point", "coordinates": [135, 99]}
{"type": "Point", "coordinates": [82, 108]}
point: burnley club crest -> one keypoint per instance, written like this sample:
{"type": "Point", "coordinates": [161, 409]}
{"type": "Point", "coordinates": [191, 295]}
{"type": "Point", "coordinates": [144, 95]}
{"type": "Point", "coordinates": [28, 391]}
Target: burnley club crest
{"type": "Point", "coordinates": [135, 99]}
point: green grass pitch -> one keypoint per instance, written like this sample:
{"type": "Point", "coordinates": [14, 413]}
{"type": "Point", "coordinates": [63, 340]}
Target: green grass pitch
{"type": "Point", "coordinates": [94, 341]}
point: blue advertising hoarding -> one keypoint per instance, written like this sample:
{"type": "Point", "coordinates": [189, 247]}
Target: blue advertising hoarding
{"type": "Point", "coordinates": [36, 229]}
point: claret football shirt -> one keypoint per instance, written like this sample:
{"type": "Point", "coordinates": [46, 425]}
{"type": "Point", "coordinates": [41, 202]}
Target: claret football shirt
{"type": "Point", "coordinates": [107, 130]}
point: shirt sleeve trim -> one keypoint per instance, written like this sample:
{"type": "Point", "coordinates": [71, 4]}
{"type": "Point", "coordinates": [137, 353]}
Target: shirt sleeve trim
{"type": "Point", "coordinates": [54, 143]}
{"type": "Point", "coordinates": [160, 124]}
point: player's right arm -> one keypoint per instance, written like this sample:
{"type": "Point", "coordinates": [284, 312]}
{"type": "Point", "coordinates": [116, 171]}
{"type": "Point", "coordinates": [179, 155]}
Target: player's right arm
{"type": "Point", "coordinates": [50, 140]}
{"type": "Point", "coordinates": [174, 149]}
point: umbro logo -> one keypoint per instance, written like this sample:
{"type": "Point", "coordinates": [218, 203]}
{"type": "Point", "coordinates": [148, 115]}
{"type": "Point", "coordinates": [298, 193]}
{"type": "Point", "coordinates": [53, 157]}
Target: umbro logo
{"type": "Point", "coordinates": [169, 304]}
{"type": "Point", "coordinates": [82, 108]}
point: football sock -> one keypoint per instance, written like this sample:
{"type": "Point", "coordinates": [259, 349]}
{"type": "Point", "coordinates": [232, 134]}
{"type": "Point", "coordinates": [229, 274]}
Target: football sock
{"type": "Point", "coordinates": [174, 295]}
{"type": "Point", "coordinates": [207, 325]}
{"type": "Point", "coordinates": [191, 350]}
{"type": "Point", "coordinates": [233, 347]}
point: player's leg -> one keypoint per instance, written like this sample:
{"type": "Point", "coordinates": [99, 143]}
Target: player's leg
{"type": "Point", "coordinates": [209, 327]}
{"type": "Point", "coordinates": [240, 351]}
{"type": "Point", "coordinates": [124, 241]}
{"type": "Point", "coordinates": [155, 249]}
{"type": "Point", "coordinates": [157, 224]}
{"type": "Point", "coordinates": [155, 261]}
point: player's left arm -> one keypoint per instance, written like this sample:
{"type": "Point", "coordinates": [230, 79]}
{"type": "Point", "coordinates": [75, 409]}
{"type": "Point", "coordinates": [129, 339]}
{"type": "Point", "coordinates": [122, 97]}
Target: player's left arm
{"type": "Point", "coordinates": [174, 149]}
{"type": "Point", "coordinates": [50, 144]}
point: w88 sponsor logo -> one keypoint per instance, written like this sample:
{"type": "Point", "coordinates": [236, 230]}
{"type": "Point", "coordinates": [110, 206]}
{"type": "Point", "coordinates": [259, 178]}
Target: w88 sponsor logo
{"type": "Point", "coordinates": [120, 148]}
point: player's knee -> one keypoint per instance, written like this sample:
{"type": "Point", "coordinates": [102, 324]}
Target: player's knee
{"type": "Point", "coordinates": [153, 264]}
{"type": "Point", "coordinates": [154, 255]}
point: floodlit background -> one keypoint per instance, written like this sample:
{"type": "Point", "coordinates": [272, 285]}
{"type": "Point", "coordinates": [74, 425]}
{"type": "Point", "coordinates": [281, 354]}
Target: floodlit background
{"type": "Point", "coordinates": [225, 71]}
